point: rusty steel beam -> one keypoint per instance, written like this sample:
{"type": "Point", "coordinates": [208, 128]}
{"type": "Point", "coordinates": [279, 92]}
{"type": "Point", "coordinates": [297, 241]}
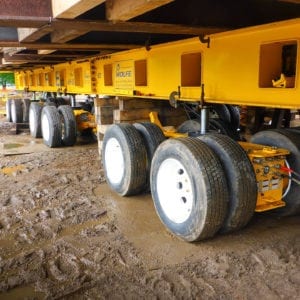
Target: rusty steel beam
{"type": "Point", "coordinates": [72, 8]}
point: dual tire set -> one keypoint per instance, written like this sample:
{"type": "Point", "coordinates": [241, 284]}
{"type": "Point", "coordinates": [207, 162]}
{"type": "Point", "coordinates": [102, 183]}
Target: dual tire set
{"type": "Point", "coordinates": [56, 125]}
{"type": "Point", "coordinates": [200, 186]}
{"type": "Point", "coordinates": [17, 110]}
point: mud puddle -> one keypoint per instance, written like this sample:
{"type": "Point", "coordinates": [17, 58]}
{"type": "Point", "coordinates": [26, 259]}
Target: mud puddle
{"type": "Point", "coordinates": [141, 225]}
{"type": "Point", "coordinates": [22, 293]}
{"type": "Point", "coordinates": [20, 144]}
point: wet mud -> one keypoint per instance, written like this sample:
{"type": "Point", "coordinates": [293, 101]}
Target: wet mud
{"type": "Point", "coordinates": [65, 235]}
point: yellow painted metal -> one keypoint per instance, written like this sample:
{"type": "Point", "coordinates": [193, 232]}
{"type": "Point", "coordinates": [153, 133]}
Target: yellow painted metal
{"type": "Point", "coordinates": [168, 131]}
{"type": "Point", "coordinates": [84, 120]}
{"type": "Point", "coordinates": [240, 67]}
{"type": "Point", "coordinates": [78, 76]}
{"type": "Point", "coordinates": [72, 77]}
{"type": "Point", "coordinates": [267, 163]}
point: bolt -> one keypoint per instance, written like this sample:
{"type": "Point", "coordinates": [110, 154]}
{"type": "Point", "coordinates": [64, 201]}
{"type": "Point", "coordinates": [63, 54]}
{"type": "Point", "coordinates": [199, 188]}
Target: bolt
{"type": "Point", "coordinates": [180, 171]}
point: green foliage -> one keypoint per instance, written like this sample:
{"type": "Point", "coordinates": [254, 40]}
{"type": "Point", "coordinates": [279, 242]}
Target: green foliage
{"type": "Point", "coordinates": [7, 78]}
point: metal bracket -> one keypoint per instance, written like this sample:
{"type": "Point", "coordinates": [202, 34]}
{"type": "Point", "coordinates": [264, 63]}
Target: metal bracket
{"type": "Point", "coordinates": [204, 40]}
{"type": "Point", "coordinates": [174, 97]}
{"type": "Point", "coordinates": [148, 44]}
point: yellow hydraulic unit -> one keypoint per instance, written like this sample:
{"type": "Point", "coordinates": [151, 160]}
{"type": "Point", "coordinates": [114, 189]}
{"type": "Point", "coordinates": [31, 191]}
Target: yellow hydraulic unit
{"type": "Point", "coordinates": [84, 120]}
{"type": "Point", "coordinates": [269, 164]}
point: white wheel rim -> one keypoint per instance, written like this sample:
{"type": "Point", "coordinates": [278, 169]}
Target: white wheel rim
{"type": "Point", "coordinates": [8, 111]}
{"type": "Point", "coordinates": [31, 120]}
{"type": "Point", "coordinates": [13, 112]}
{"type": "Point", "coordinates": [174, 190]}
{"type": "Point", "coordinates": [114, 161]}
{"type": "Point", "coordinates": [45, 128]}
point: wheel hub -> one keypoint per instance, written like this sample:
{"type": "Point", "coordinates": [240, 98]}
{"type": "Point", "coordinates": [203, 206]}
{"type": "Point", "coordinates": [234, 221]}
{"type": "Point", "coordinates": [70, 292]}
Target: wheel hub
{"type": "Point", "coordinates": [114, 161]}
{"type": "Point", "coordinates": [175, 190]}
{"type": "Point", "coordinates": [45, 128]}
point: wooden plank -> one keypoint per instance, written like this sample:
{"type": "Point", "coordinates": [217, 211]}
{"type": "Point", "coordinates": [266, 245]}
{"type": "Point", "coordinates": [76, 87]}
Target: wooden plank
{"type": "Point", "coordinates": [45, 60]}
{"type": "Point", "coordinates": [132, 121]}
{"type": "Point", "coordinates": [69, 47]}
{"type": "Point", "coordinates": [98, 102]}
{"type": "Point", "coordinates": [102, 128]}
{"type": "Point", "coordinates": [125, 104]}
{"type": "Point", "coordinates": [33, 34]}
{"type": "Point", "coordinates": [100, 147]}
{"type": "Point", "coordinates": [38, 57]}
{"type": "Point", "coordinates": [127, 9]}
{"type": "Point", "coordinates": [104, 115]}
{"type": "Point", "coordinates": [95, 25]}
{"type": "Point", "coordinates": [141, 27]}
{"type": "Point", "coordinates": [45, 52]}
{"type": "Point", "coordinates": [107, 101]}
{"type": "Point", "coordinates": [63, 36]}
{"type": "Point", "coordinates": [133, 114]}
{"type": "Point", "coordinates": [23, 21]}
{"type": "Point", "coordinates": [70, 9]}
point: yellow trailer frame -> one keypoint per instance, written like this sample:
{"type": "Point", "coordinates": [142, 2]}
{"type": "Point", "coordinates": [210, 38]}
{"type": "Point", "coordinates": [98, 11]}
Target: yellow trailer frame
{"type": "Point", "coordinates": [235, 67]}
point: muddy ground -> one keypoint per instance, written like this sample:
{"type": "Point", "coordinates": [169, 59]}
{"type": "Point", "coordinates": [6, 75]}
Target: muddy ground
{"type": "Point", "coordinates": [65, 235]}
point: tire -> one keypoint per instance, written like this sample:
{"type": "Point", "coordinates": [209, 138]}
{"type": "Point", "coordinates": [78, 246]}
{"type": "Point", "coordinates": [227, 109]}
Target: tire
{"type": "Point", "coordinates": [152, 137]}
{"type": "Point", "coordinates": [35, 112]}
{"type": "Point", "coordinates": [220, 126]}
{"type": "Point", "coordinates": [51, 126]}
{"type": "Point", "coordinates": [188, 188]}
{"type": "Point", "coordinates": [240, 178]}
{"type": "Point", "coordinates": [193, 128]}
{"type": "Point", "coordinates": [25, 106]}
{"type": "Point", "coordinates": [289, 140]}
{"type": "Point", "coordinates": [220, 111]}
{"type": "Point", "coordinates": [61, 101]}
{"type": "Point", "coordinates": [234, 116]}
{"type": "Point", "coordinates": [124, 159]}
{"type": "Point", "coordinates": [51, 101]}
{"type": "Point", "coordinates": [49, 104]}
{"type": "Point", "coordinates": [8, 110]}
{"type": "Point", "coordinates": [16, 111]}
{"type": "Point", "coordinates": [68, 121]}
